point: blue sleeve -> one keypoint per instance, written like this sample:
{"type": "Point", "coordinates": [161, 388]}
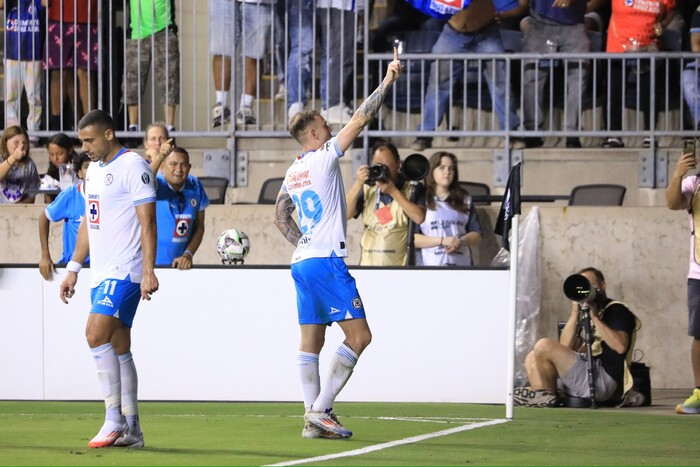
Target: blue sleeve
{"type": "Point", "coordinates": [58, 210]}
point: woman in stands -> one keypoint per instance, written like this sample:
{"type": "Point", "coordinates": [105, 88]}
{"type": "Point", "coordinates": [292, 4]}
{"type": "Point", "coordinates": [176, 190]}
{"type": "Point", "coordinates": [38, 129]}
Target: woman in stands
{"type": "Point", "coordinates": [19, 178]}
{"type": "Point", "coordinates": [451, 223]}
{"type": "Point", "coordinates": [61, 151]}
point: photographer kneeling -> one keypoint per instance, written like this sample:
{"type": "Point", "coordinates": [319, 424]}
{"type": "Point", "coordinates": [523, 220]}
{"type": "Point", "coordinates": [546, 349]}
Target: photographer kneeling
{"type": "Point", "coordinates": [382, 195]}
{"type": "Point", "coordinates": [563, 365]}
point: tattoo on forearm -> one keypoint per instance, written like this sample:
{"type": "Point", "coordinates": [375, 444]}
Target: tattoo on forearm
{"type": "Point", "coordinates": [283, 219]}
{"type": "Point", "coordinates": [370, 107]}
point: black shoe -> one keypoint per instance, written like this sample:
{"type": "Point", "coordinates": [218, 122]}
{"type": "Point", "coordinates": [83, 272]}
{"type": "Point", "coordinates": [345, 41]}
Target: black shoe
{"type": "Point", "coordinates": [533, 142]}
{"type": "Point", "coordinates": [573, 143]}
{"type": "Point", "coordinates": [647, 143]}
{"type": "Point", "coordinates": [613, 143]}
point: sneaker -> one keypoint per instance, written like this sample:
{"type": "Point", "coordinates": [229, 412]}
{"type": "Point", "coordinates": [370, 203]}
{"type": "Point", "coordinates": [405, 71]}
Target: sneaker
{"type": "Point", "coordinates": [127, 440]}
{"type": "Point", "coordinates": [573, 143]}
{"type": "Point", "coordinates": [337, 115]}
{"type": "Point", "coordinates": [518, 143]}
{"type": "Point", "coordinates": [327, 421]}
{"type": "Point", "coordinates": [533, 142]}
{"type": "Point", "coordinates": [421, 144]}
{"type": "Point", "coordinates": [108, 435]}
{"type": "Point", "coordinates": [310, 431]}
{"type": "Point", "coordinates": [633, 398]}
{"type": "Point", "coordinates": [220, 115]}
{"type": "Point", "coordinates": [647, 143]}
{"type": "Point", "coordinates": [294, 109]}
{"type": "Point", "coordinates": [691, 404]}
{"type": "Point", "coordinates": [528, 397]}
{"type": "Point", "coordinates": [132, 142]}
{"type": "Point", "coordinates": [613, 143]}
{"type": "Point", "coordinates": [245, 116]}
{"type": "Point", "coordinates": [281, 93]}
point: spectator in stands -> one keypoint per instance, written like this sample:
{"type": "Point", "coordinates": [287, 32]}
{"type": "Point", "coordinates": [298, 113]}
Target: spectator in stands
{"type": "Point", "coordinates": [68, 207]}
{"type": "Point", "coordinates": [153, 37]}
{"type": "Point", "coordinates": [19, 178]}
{"type": "Point", "coordinates": [451, 223]}
{"type": "Point", "coordinates": [180, 205]}
{"type": "Point", "coordinates": [691, 74]}
{"type": "Point", "coordinates": [221, 38]}
{"type": "Point", "coordinates": [551, 364]}
{"type": "Point", "coordinates": [634, 27]}
{"type": "Point", "coordinates": [681, 194]}
{"type": "Point", "coordinates": [71, 23]}
{"type": "Point", "coordinates": [471, 30]}
{"type": "Point", "coordinates": [555, 27]}
{"type": "Point", "coordinates": [156, 134]}
{"type": "Point", "coordinates": [61, 151]}
{"type": "Point", "coordinates": [386, 208]}
{"type": "Point", "coordinates": [401, 18]}
{"type": "Point", "coordinates": [337, 41]}
{"type": "Point", "coordinates": [23, 50]}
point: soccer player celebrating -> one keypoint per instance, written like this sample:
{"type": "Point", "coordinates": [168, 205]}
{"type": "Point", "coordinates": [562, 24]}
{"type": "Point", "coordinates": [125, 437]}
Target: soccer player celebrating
{"type": "Point", "coordinates": [326, 292]}
{"type": "Point", "coordinates": [119, 232]}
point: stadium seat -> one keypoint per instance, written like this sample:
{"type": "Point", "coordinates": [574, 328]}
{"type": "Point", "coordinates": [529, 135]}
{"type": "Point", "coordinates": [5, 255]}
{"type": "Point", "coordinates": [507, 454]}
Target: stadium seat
{"type": "Point", "coordinates": [597, 195]}
{"type": "Point", "coordinates": [269, 191]}
{"type": "Point", "coordinates": [215, 187]}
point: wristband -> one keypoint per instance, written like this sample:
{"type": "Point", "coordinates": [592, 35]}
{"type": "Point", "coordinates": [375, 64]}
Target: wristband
{"type": "Point", "coordinates": [74, 266]}
{"type": "Point", "coordinates": [189, 253]}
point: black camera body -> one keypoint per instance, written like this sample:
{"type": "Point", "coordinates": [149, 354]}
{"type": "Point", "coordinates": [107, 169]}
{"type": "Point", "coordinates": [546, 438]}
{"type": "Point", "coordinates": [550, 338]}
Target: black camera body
{"type": "Point", "coordinates": [377, 173]}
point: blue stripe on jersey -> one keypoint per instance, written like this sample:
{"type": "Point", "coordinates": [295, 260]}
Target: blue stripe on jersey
{"type": "Point", "coordinates": [344, 353]}
{"type": "Point", "coordinates": [150, 199]}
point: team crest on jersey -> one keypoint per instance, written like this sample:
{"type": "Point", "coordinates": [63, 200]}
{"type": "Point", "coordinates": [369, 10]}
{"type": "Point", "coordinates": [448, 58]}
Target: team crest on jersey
{"type": "Point", "coordinates": [109, 179]}
{"type": "Point", "coordinates": [193, 202]}
{"type": "Point", "coordinates": [357, 303]}
{"type": "Point", "coordinates": [146, 178]}
{"type": "Point", "coordinates": [94, 213]}
{"type": "Point", "coordinates": [182, 226]}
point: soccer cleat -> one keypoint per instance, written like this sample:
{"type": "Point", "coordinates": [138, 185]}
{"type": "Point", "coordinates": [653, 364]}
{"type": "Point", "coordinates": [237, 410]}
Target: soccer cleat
{"type": "Point", "coordinates": [108, 435]}
{"type": "Point", "coordinates": [220, 115]}
{"type": "Point", "coordinates": [310, 431]}
{"type": "Point", "coordinates": [691, 404]}
{"type": "Point", "coordinates": [327, 421]}
{"type": "Point", "coordinates": [528, 397]}
{"type": "Point", "coordinates": [127, 440]}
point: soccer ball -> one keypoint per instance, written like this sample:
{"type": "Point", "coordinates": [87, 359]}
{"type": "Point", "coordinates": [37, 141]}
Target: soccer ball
{"type": "Point", "coordinates": [233, 246]}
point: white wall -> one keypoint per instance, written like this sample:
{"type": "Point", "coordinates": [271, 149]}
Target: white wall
{"type": "Point", "coordinates": [231, 334]}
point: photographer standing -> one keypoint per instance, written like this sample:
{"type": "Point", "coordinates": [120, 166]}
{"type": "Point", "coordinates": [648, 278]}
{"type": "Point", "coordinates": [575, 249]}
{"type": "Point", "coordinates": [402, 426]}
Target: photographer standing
{"type": "Point", "coordinates": [682, 194]}
{"type": "Point", "coordinates": [563, 365]}
{"type": "Point", "coordinates": [382, 195]}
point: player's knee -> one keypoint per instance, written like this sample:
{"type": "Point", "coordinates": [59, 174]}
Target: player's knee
{"type": "Point", "coordinates": [359, 342]}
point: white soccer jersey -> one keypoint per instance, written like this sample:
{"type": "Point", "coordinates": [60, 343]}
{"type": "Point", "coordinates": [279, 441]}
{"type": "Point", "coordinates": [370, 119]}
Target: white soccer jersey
{"type": "Point", "coordinates": [112, 192]}
{"type": "Point", "coordinates": [315, 185]}
{"type": "Point", "coordinates": [444, 221]}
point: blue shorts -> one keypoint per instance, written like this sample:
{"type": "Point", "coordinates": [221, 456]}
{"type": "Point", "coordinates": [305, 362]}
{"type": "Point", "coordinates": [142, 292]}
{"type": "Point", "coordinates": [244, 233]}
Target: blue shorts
{"type": "Point", "coordinates": [326, 292]}
{"type": "Point", "coordinates": [118, 298]}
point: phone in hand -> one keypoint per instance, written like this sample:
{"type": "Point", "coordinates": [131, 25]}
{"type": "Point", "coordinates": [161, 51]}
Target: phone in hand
{"type": "Point", "coordinates": [689, 146]}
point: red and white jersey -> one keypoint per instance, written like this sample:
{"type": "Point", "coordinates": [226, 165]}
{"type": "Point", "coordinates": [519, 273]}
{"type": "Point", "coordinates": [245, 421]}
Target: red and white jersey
{"type": "Point", "coordinates": [315, 184]}
{"type": "Point", "coordinates": [112, 192]}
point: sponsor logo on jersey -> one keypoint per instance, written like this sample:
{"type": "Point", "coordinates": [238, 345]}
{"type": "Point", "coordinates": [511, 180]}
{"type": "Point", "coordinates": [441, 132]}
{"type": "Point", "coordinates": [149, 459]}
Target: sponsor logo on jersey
{"type": "Point", "coordinates": [146, 178]}
{"type": "Point", "coordinates": [109, 179]}
{"type": "Point", "coordinates": [94, 213]}
{"type": "Point", "coordinates": [106, 302]}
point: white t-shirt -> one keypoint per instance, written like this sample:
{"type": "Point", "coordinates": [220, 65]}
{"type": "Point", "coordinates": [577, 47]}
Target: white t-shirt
{"type": "Point", "coordinates": [315, 184]}
{"type": "Point", "coordinates": [444, 221]}
{"type": "Point", "coordinates": [112, 192]}
{"type": "Point", "coordinates": [688, 187]}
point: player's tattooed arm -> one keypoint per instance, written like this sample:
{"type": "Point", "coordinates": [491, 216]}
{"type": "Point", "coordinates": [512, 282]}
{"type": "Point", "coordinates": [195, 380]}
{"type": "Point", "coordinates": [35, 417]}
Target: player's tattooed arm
{"type": "Point", "coordinates": [370, 107]}
{"type": "Point", "coordinates": [283, 218]}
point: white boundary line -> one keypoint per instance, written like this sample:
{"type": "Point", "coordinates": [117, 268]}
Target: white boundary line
{"type": "Point", "coordinates": [391, 444]}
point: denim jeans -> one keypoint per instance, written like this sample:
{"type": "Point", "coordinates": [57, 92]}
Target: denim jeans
{"type": "Point", "coordinates": [301, 37]}
{"type": "Point", "coordinates": [691, 90]}
{"type": "Point", "coordinates": [444, 74]}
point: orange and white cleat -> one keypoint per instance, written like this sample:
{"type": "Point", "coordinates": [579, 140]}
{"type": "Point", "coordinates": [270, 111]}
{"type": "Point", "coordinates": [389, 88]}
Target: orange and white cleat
{"type": "Point", "coordinates": [109, 433]}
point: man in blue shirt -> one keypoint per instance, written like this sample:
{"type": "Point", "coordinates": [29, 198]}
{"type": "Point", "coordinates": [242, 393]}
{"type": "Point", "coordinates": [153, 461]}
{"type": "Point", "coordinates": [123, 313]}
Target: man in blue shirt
{"type": "Point", "coordinates": [180, 205]}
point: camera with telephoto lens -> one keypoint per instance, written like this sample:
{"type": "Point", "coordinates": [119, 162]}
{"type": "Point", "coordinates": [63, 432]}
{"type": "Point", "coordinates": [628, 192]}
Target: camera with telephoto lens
{"type": "Point", "coordinates": [377, 173]}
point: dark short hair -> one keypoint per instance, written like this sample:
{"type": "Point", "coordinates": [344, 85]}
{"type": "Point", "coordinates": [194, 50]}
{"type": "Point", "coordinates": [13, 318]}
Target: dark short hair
{"type": "Point", "coordinates": [181, 150]}
{"type": "Point", "coordinates": [385, 145]}
{"type": "Point", "coordinates": [98, 118]}
{"type": "Point", "coordinates": [62, 140]}
{"type": "Point", "coordinates": [79, 159]}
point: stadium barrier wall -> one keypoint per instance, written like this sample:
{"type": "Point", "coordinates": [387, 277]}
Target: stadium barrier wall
{"type": "Point", "coordinates": [230, 334]}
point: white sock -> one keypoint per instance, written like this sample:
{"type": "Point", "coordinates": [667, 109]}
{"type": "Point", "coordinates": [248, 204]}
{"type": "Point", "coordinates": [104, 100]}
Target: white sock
{"type": "Point", "coordinates": [110, 380]}
{"type": "Point", "coordinates": [246, 100]}
{"type": "Point", "coordinates": [342, 365]}
{"type": "Point", "coordinates": [310, 380]}
{"type": "Point", "coordinates": [130, 385]}
{"type": "Point", "coordinates": [222, 96]}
